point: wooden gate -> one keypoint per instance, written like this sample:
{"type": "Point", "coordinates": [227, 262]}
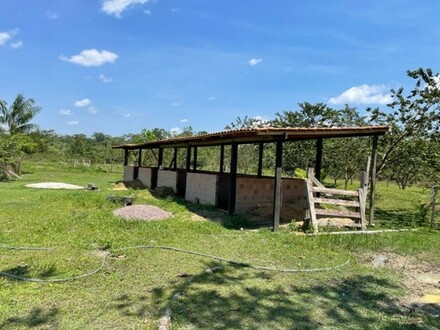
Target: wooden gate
{"type": "Point", "coordinates": [349, 203]}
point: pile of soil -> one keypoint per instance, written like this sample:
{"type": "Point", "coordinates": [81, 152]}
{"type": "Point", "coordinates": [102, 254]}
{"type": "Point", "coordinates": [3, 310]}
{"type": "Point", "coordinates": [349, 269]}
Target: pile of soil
{"type": "Point", "coordinates": [142, 212]}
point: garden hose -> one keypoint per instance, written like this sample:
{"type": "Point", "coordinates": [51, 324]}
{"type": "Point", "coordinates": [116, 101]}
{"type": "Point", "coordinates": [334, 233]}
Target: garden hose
{"type": "Point", "coordinates": [159, 247]}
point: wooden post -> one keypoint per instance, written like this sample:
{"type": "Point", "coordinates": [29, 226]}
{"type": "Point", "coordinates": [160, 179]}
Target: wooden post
{"type": "Point", "coordinates": [260, 159]}
{"type": "Point", "coordinates": [310, 199]}
{"type": "Point", "coordinates": [160, 158]}
{"type": "Point", "coordinates": [125, 157]}
{"type": "Point", "coordinates": [188, 158]}
{"type": "Point", "coordinates": [363, 189]}
{"type": "Point", "coordinates": [222, 158]}
{"type": "Point", "coordinates": [175, 159]}
{"type": "Point", "coordinates": [140, 158]}
{"type": "Point", "coordinates": [195, 159]}
{"type": "Point", "coordinates": [318, 162]}
{"type": "Point", "coordinates": [433, 202]}
{"type": "Point", "coordinates": [233, 178]}
{"type": "Point", "coordinates": [373, 180]}
{"type": "Point", "coordinates": [277, 200]}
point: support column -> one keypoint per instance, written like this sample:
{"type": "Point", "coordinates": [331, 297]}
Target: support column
{"type": "Point", "coordinates": [222, 158]}
{"type": "Point", "coordinates": [260, 160]}
{"type": "Point", "coordinates": [188, 158]}
{"type": "Point", "coordinates": [318, 162]}
{"type": "Point", "coordinates": [195, 159]}
{"type": "Point", "coordinates": [140, 158]}
{"type": "Point", "coordinates": [175, 159]}
{"type": "Point", "coordinates": [373, 180]}
{"type": "Point", "coordinates": [160, 158]}
{"type": "Point", "coordinates": [125, 157]}
{"type": "Point", "coordinates": [277, 200]}
{"type": "Point", "coordinates": [233, 178]}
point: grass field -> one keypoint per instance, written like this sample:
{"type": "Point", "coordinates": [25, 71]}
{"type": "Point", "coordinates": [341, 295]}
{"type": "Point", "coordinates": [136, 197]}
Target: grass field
{"type": "Point", "coordinates": [137, 286]}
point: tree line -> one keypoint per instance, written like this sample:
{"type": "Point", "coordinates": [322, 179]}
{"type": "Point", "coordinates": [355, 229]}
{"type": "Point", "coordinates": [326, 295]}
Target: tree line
{"type": "Point", "coordinates": [407, 155]}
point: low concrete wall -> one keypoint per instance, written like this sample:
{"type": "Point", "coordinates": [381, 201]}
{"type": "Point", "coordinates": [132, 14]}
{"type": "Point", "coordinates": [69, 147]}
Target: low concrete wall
{"type": "Point", "coordinates": [253, 192]}
{"type": "Point", "coordinates": [128, 173]}
{"type": "Point", "coordinates": [145, 176]}
{"type": "Point", "coordinates": [201, 187]}
{"type": "Point", "coordinates": [167, 179]}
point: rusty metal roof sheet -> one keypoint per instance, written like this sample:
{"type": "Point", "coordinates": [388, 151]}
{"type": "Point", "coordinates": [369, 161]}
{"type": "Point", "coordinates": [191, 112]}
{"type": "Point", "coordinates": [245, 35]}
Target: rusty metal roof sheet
{"type": "Point", "coordinates": [266, 134]}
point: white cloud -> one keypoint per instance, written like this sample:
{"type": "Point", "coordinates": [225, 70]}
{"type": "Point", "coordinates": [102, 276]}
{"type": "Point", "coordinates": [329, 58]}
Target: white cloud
{"type": "Point", "coordinates": [127, 115]}
{"type": "Point", "coordinates": [105, 79]}
{"type": "Point", "coordinates": [116, 7]}
{"type": "Point", "coordinates": [184, 120]}
{"type": "Point", "coordinates": [364, 94]}
{"type": "Point", "coordinates": [148, 12]}
{"type": "Point", "coordinates": [65, 112]}
{"type": "Point", "coordinates": [176, 104]}
{"type": "Point", "coordinates": [176, 130]}
{"type": "Point", "coordinates": [17, 44]}
{"type": "Point", "coordinates": [83, 103]}
{"type": "Point", "coordinates": [8, 36]}
{"type": "Point", "coordinates": [73, 122]}
{"type": "Point", "coordinates": [212, 98]}
{"type": "Point", "coordinates": [52, 15]}
{"type": "Point", "coordinates": [255, 61]}
{"type": "Point", "coordinates": [91, 57]}
{"type": "Point", "coordinates": [92, 110]}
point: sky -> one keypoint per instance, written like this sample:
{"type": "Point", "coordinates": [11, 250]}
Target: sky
{"type": "Point", "coordinates": [120, 66]}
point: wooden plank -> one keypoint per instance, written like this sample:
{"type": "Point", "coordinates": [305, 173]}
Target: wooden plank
{"type": "Point", "coordinates": [318, 162]}
{"type": "Point", "coordinates": [362, 208]}
{"type": "Point", "coordinates": [222, 158]}
{"type": "Point", "coordinates": [335, 191]}
{"type": "Point", "coordinates": [338, 213]}
{"type": "Point", "coordinates": [373, 179]}
{"type": "Point", "coordinates": [336, 201]}
{"type": "Point", "coordinates": [260, 159]}
{"type": "Point", "coordinates": [277, 200]}
{"type": "Point", "coordinates": [310, 199]}
{"type": "Point", "coordinates": [233, 179]}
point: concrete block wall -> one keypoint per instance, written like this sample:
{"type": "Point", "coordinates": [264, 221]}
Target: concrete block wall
{"type": "Point", "coordinates": [201, 187]}
{"type": "Point", "coordinates": [167, 179]}
{"type": "Point", "coordinates": [254, 191]}
{"type": "Point", "coordinates": [144, 176]}
{"type": "Point", "coordinates": [128, 173]}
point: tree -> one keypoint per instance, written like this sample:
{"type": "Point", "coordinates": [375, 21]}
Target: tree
{"type": "Point", "coordinates": [17, 117]}
{"type": "Point", "coordinates": [414, 115]}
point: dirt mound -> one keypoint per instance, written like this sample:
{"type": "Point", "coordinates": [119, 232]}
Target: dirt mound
{"type": "Point", "coordinates": [142, 212]}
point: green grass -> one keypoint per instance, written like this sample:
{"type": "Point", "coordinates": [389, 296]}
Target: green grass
{"type": "Point", "coordinates": [136, 286]}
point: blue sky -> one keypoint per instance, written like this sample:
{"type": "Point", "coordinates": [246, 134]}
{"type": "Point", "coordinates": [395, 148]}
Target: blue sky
{"type": "Point", "coordinates": [118, 66]}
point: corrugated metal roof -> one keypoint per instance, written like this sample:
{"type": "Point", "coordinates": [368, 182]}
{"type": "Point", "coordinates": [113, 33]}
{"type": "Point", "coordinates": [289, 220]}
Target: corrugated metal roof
{"type": "Point", "coordinates": [266, 134]}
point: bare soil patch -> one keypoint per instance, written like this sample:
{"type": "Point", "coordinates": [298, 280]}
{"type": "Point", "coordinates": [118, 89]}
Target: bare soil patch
{"type": "Point", "coordinates": [53, 185]}
{"type": "Point", "coordinates": [142, 212]}
{"type": "Point", "coordinates": [421, 280]}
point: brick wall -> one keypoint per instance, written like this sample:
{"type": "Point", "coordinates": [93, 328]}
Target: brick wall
{"type": "Point", "coordinates": [128, 173]}
{"type": "Point", "coordinates": [254, 191]}
{"type": "Point", "coordinates": [144, 176]}
{"type": "Point", "coordinates": [201, 186]}
{"type": "Point", "coordinates": [167, 179]}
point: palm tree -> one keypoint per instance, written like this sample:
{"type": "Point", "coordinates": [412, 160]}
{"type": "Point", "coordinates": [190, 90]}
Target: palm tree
{"type": "Point", "coordinates": [16, 119]}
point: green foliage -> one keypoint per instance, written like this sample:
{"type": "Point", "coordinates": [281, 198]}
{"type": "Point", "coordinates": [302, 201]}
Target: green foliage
{"type": "Point", "coordinates": [17, 117]}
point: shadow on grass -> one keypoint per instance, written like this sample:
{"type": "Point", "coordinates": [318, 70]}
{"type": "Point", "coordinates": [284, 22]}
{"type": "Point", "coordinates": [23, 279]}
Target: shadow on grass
{"type": "Point", "coordinates": [24, 272]}
{"type": "Point", "coordinates": [36, 317]}
{"type": "Point", "coordinates": [237, 297]}
{"type": "Point", "coordinates": [398, 218]}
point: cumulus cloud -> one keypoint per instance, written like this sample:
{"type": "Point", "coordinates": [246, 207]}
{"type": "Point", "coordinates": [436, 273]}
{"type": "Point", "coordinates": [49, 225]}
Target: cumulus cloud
{"type": "Point", "coordinates": [73, 122]}
{"type": "Point", "coordinates": [92, 110]}
{"type": "Point", "coordinates": [83, 103]}
{"type": "Point", "coordinates": [105, 79]}
{"type": "Point", "coordinates": [91, 57]}
{"type": "Point", "coordinates": [364, 94]}
{"type": "Point", "coordinates": [17, 44]}
{"type": "Point", "coordinates": [176, 130]}
{"type": "Point", "coordinates": [184, 120]}
{"type": "Point", "coordinates": [211, 98]}
{"type": "Point", "coordinates": [116, 7]}
{"type": "Point", "coordinates": [127, 115]}
{"type": "Point", "coordinates": [176, 104]}
{"type": "Point", "coordinates": [254, 61]}
{"type": "Point", "coordinates": [6, 39]}
{"type": "Point", "coordinates": [65, 112]}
